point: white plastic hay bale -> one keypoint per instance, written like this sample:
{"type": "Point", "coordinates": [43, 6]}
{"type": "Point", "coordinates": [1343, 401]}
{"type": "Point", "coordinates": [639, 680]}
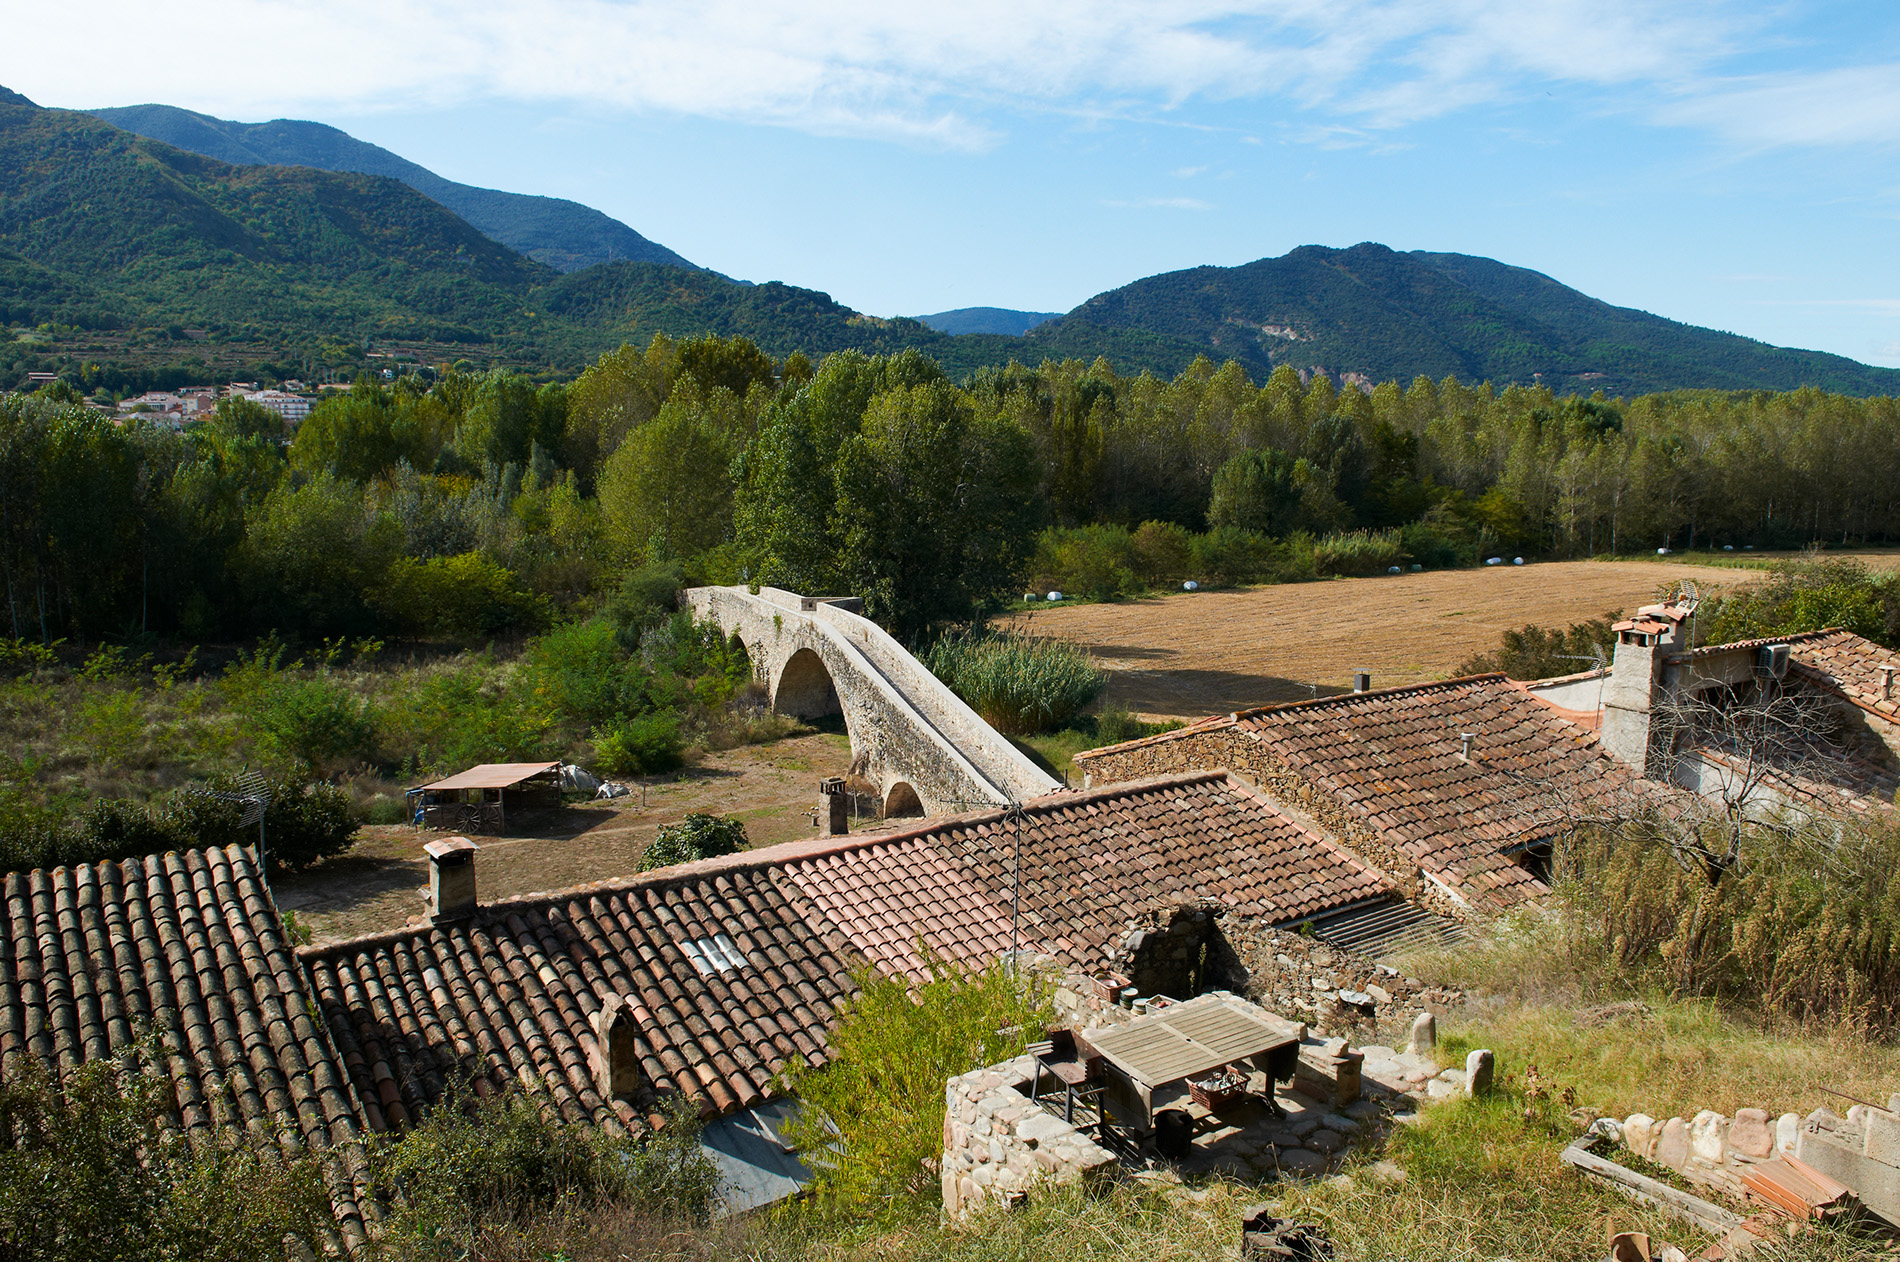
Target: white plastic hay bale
{"type": "Point", "coordinates": [1190, 586]}
{"type": "Point", "coordinates": [1055, 595]}
{"type": "Point", "coordinates": [1494, 561]}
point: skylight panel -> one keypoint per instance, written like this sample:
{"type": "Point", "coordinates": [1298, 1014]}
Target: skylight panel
{"type": "Point", "coordinates": [717, 954]}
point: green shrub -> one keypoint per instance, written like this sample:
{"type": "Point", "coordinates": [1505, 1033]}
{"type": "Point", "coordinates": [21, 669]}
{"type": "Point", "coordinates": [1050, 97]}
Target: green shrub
{"type": "Point", "coordinates": [1019, 683]}
{"type": "Point", "coordinates": [1807, 596]}
{"type": "Point", "coordinates": [645, 598]}
{"type": "Point", "coordinates": [466, 595]}
{"type": "Point", "coordinates": [882, 1088]}
{"type": "Point", "coordinates": [583, 674]}
{"type": "Point", "coordinates": [315, 723]}
{"type": "Point", "coordinates": [1357, 552]}
{"type": "Point", "coordinates": [693, 838]}
{"type": "Point", "coordinates": [1161, 551]}
{"type": "Point", "coordinates": [384, 808]}
{"type": "Point", "coordinates": [1532, 652]}
{"type": "Point", "coordinates": [1227, 555]}
{"type": "Point", "coordinates": [1434, 548]}
{"type": "Point", "coordinates": [85, 1176]}
{"type": "Point", "coordinates": [639, 746]}
{"type": "Point", "coordinates": [474, 1165]}
{"type": "Point", "coordinates": [1090, 561]}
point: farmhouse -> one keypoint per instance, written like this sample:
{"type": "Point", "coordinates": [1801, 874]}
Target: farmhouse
{"type": "Point", "coordinates": [706, 979]}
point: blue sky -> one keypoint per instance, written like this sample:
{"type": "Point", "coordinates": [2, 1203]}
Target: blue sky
{"type": "Point", "coordinates": [1730, 165]}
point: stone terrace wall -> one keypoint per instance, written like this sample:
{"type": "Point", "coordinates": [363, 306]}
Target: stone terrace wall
{"type": "Point", "coordinates": [998, 1144]}
{"type": "Point", "coordinates": [1300, 978]}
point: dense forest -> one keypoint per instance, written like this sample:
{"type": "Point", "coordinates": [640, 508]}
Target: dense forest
{"type": "Point", "coordinates": [484, 503]}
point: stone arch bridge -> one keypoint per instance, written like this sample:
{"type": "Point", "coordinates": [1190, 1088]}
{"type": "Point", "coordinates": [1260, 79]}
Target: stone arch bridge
{"type": "Point", "coordinates": [925, 750]}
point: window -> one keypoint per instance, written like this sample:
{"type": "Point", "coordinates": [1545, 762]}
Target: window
{"type": "Point", "coordinates": [717, 954]}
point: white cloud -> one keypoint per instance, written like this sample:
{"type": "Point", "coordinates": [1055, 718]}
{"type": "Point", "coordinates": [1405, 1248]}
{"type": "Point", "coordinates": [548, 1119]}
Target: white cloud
{"type": "Point", "coordinates": [935, 75]}
{"type": "Point", "coordinates": [1187, 173]}
{"type": "Point", "coordinates": [1856, 105]}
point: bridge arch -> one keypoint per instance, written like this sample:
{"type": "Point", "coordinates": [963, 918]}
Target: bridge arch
{"type": "Point", "coordinates": [919, 743]}
{"type": "Point", "coordinates": [805, 688]}
{"type": "Point", "coordinates": [902, 802]}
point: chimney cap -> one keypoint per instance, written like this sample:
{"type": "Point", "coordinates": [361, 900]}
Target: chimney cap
{"type": "Point", "coordinates": [450, 850]}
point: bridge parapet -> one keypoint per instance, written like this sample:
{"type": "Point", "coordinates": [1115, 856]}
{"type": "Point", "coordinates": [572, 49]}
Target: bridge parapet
{"type": "Point", "coordinates": [817, 655]}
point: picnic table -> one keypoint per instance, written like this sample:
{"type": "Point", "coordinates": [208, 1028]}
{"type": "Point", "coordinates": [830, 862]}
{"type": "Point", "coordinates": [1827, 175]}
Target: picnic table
{"type": "Point", "coordinates": [1188, 1041]}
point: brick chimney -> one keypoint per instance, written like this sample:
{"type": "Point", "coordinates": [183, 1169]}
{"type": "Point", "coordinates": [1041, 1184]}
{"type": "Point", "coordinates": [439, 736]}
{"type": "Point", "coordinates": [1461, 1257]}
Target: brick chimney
{"type": "Point", "coordinates": [451, 877]}
{"type": "Point", "coordinates": [613, 1058]}
{"type": "Point", "coordinates": [834, 806]}
{"type": "Point", "coordinates": [1643, 644]}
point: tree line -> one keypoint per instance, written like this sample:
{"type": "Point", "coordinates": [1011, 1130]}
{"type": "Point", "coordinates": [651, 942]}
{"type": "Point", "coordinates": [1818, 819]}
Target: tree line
{"type": "Point", "coordinates": [483, 503]}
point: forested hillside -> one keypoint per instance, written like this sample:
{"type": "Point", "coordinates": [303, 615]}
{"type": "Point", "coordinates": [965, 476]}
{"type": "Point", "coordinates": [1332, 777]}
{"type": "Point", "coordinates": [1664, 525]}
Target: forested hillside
{"type": "Point", "coordinates": [564, 235]}
{"type": "Point", "coordinates": [1372, 311]}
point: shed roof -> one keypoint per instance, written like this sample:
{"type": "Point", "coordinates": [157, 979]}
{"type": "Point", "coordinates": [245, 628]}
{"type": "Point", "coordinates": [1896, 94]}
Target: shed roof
{"type": "Point", "coordinates": [495, 775]}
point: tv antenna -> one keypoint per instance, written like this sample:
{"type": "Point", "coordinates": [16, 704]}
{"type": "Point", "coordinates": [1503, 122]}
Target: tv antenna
{"type": "Point", "coordinates": [252, 792]}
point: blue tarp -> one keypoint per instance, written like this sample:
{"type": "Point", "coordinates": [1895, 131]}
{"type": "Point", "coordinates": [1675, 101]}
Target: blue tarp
{"type": "Point", "coordinates": [757, 1165]}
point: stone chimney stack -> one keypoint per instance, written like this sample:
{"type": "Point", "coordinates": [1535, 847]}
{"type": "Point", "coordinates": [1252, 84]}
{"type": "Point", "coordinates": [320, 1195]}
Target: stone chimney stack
{"type": "Point", "coordinates": [1643, 644]}
{"type": "Point", "coordinates": [451, 877]}
{"type": "Point", "coordinates": [614, 1059]}
{"type": "Point", "coordinates": [834, 806]}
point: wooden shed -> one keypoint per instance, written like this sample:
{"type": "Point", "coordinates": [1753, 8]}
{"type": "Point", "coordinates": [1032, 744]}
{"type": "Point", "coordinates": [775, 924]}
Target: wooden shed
{"type": "Point", "coordinates": [478, 800]}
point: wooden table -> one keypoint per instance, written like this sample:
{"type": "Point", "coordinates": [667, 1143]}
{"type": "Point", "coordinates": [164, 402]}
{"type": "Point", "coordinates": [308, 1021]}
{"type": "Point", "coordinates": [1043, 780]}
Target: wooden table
{"type": "Point", "coordinates": [1190, 1040]}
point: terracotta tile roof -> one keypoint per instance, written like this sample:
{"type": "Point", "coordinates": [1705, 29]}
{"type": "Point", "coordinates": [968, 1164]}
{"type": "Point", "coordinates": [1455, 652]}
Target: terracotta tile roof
{"type": "Point", "coordinates": [1392, 757]}
{"type": "Point", "coordinates": [1850, 665]}
{"type": "Point", "coordinates": [1090, 862]}
{"type": "Point", "coordinates": [188, 946]}
{"type": "Point", "coordinates": [509, 992]}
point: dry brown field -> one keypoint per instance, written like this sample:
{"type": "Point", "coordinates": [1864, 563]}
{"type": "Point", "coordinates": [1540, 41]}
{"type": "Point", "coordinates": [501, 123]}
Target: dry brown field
{"type": "Point", "coordinates": [1189, 655]}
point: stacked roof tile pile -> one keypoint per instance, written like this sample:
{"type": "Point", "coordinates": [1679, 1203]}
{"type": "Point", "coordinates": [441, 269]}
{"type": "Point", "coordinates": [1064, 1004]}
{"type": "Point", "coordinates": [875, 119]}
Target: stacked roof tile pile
{"type": "Point", "coordinates": [188, 947]}
{"type": "Point", "coordinates": [1089, 863]}
{"type": "Point", "coordinates": [727, 979]}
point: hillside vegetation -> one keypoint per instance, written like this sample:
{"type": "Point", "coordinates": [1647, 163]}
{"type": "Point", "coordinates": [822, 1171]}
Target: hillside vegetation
{"type": "Point", "coordinates": [115, 248]}
{"type": "Point", "coordinates": [564, 235]}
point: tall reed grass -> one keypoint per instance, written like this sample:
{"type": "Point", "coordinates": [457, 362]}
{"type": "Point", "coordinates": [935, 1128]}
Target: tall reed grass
{"type": "Point", "coordinates": [1021, 684]}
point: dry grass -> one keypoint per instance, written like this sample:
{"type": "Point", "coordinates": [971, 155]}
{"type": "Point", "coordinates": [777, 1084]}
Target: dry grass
{"type": "Point", "coordinates": [1193, 654]}
{"type": "Point", "coordinates": [1628, 1053]}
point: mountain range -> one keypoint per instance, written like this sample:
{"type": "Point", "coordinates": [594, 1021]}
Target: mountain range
{"type": "Point", "coordinates": [565, 235]}
{"type": "Point", "coordinates": [297, 237]}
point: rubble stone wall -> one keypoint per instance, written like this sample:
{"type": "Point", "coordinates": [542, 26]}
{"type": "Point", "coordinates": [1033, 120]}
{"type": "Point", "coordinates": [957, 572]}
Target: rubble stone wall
{"type": "Point", "coordinates": [998, 1144]}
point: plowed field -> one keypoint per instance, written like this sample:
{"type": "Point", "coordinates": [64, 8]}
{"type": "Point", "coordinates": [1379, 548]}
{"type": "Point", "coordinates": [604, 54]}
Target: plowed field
{"type": "Point", "coordinates": [1189, 655]}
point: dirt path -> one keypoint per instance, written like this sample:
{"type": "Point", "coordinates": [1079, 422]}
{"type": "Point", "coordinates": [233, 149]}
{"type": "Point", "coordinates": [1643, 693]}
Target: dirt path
{"type": "Point", "coordinates": [382, 882]}
{"type": "Point", "coordinates": [1189, 655]}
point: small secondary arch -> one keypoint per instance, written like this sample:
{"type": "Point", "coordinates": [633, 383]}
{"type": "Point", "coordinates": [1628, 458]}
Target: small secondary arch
{"type": "Point", "coordinates": [805, 689]}
{"type": "Point", "coordinates": [902, 802]}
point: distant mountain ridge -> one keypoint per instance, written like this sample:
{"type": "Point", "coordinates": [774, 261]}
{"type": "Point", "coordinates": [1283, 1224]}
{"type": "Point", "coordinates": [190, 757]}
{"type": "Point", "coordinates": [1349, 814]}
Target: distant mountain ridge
{"type": "Point", "coordinates": [565, 235]}
{"type": "Point", "coordinates": [988, 320]}
{"type": "Point", "coordinates": [104, 229]}
{"type": "Point", "coordinates": [1374, 312]}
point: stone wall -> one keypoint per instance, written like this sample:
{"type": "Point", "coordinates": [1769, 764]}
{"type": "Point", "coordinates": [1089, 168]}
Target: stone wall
{"type": "Point", "coordinates": [998, 1144]}
{"type": "Point", "coordinates": [1708, 1149]}
{"type": "Point", "coordinates": [1301, 978]}
{"type": "Point", "coordinates": [1195, 947]}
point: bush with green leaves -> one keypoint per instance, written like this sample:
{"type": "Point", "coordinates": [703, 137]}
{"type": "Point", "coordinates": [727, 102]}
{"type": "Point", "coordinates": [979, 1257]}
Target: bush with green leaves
{"type": "Point", "coordinates": [1534, 652]}
{"type": "Point", "coordinates": [1020, 684]}
{"type": "Point", "coordinates": [642, 746]}
{"type": "Point", "coordinates": [479, 1163]}
{"type": "Point", "coordinates": [88, 1175]}
{"type": "Point", "coordinates": [1807, 595]}
{"type": "Point", "coordinates": [1357, 552]}
{"type": "Point", "coordinates": [464, 596]}
{"type": "Point", "coordinates": [880, 1090]}
{"type": "Point", "coordinates": [698, 836]}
